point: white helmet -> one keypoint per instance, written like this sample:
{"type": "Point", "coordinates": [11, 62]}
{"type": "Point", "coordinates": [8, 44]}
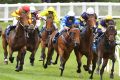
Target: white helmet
{"type": "Point", "coordinates": [32, 9]}
{"type": "Point", "coordinates": [71, 13]}
{"type": "Point", "coordinates": [90, 10]}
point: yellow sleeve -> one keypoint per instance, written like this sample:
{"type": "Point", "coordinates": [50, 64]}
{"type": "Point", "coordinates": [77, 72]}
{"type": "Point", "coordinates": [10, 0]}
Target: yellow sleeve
{"type": "Point", "coordinates": [43, 13]}
{"type": "Point", "coordinates": [15, 13]}
{"type": "Point", "coordinates": [56, 19]}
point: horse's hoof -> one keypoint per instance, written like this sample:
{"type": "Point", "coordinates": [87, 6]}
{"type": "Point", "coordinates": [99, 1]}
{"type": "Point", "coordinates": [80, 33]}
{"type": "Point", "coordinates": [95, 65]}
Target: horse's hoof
{"type": "Point", "coordinates": [78, 71]}
{"type": "Point", "coordinates": [11, 59]}
{"type": "Point", "coordinates": [17, 70]}
{"type": "Point", "coordinates": [111, 76]}
{"type": "Point", "coordinates": [85, 67]}
{"type": "Point", "coordinates": [90, 78]}
{"type": "Point", "coordinates": [45, 66]}
{"type": "Point", "coordinates": [32, 64]}
{"type": "Point", "coordinates": [54, 63]}
{"type": "Point", "coordinates": [6, 62]}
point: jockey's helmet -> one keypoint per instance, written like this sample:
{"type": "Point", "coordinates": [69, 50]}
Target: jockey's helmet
{"type": "Point", "coordinates": [71, 13]}
{"type": "Point", "coordinates": [32, 9]}
{"type": "Point", "coordinates": [51, 9]}
{"type": "Point", "coordinates": [90, 10]}
{"type": "Point", "coordinates": [26, 8]}
{"type": "Point", "coordinates": [108, 17]}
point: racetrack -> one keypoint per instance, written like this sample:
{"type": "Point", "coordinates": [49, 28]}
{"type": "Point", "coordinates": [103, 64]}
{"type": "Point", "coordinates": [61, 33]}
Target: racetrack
{"type": "Point", "coordinates": [37, 72]}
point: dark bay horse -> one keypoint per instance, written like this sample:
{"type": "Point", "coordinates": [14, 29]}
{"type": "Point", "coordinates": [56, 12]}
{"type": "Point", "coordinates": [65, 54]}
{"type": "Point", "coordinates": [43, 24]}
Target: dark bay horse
{"type": "Point", "coordinates": [64, 46]}
{"type": "Point", "coordinates": [16, 42]}
{"type": "Point", "coordinates": [105, 49]}
{"type": "Point", "coordinates": [47, 31]}
{"type": "Point", "coordinates": [33, 39]}
{"type": "Point", "coordinates": [85, 47]}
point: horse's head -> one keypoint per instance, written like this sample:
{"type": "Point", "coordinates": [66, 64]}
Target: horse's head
{"type": "Point", "coordinates": [91, 20]}
{"type": "Point", "coordinates": [111, 32]}
{"type": "Point", "coordinates": [49, 23]}
{"type": "Point", "coordinates": [74, 34]}
{"type": "Point", "coordinates": [32, 26]}
{"type": "Point", "coordinates": [23, 20]}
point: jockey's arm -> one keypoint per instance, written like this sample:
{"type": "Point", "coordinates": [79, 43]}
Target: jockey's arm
{"type": "Point", "coordinates": [15, 13]}
{"type": "Point", "coordinates": [43, 13]}
{"type": "Point", "coordinates": [63, 22]}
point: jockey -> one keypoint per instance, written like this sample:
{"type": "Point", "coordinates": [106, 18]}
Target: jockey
{"type": "Point", "coordinates": [102, 26]}
{"type": "Point", "coordinates": [48, 11]}
{"type": "Point", "coordinates": [24, 9]}
{"type": "Point", "coordinates": [66, 24]}
{"type": "Point", "coordinates": [83, 17]}
{"type": "Point", "coordinates": [34, 12]}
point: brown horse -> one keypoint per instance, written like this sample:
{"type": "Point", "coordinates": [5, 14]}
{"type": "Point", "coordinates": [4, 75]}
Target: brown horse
{"type": "Point", "coordinates": [85, 47]}
{"type": "Point", "coordinates": [105, 49]}
{"type": "Point", "coordinates": [47, 31]}
{"type": "Point", "coordinates": [33, 39]}
{"type": "Point", "coordinates": [65, 44]}
{"type": "Point", "coordinates": [16, 42]}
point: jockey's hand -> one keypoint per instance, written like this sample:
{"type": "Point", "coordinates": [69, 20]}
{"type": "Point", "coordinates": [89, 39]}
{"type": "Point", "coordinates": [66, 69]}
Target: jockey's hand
{"type": "Point", "coordinates": [66, 28]}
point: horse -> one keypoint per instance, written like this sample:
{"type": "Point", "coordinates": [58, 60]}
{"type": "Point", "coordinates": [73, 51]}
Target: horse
{"type": "Point", "coordinates": [85, 47]}
{"type": "Point", "coordinates": [16, 42]}
{"type": "Point", "coordinates": [45, 35]}
{"type": "Point", "coordinates": [64, 46]}
{"type": "Point", "coordinates": [33, 39]}
{"type": "Point", "coordinates": [105, 49]}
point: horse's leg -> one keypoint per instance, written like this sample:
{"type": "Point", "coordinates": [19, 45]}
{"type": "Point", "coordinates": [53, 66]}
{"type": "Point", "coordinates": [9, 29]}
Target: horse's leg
{"type": "Point", "coordinates": [112, 70]}
{"type": "Point", "coordinates": [93, 65]}
{"type": "Point", "coordinates": [56, 60]}
{"type": "Point", "coordinates": [103, 66]}
{"type": "Point", "coordinates": [99, 61]}
{"type": "Point", "coordinates": [32, 57]}
{"type": "Point", "coordinates": [63, 58]}
{"type": "Point", "coordinates": [18, 59]}
{"type": "Point", "coordinates": [4, 45]}
{"type": "Point", "coordinates": [49, 56]}
{"type": "Point", "coordinates": [78, 58]}
{"type": "Point", "coordinates": [89, 60]}
{"type": "Point", "coordinates": [42, 57]}
{"type": "Point", "coordinates": [11, 59]}
{"type": "Point", "coordinates": [21, 57]}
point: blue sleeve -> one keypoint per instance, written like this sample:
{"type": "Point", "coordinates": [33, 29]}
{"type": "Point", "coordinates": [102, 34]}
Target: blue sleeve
{"type": "Point", "coordinates": [63, 22]}
{"type": "Point", "coordinates": [77, 22]}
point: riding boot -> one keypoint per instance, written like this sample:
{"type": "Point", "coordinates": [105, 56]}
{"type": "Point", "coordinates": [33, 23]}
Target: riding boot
{"type": "Point", "coordinates": [9, 28]}
{"type": "Point", "coordinates": [56, 37]}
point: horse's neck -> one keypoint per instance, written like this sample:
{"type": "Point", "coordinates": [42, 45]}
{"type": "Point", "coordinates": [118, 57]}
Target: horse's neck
{"type": "Point", "coordinates": [20, 30]}
{"type": "Point", "coordinates": [88, 33]}
{"type": "Point", "coordinates": [66, 38]}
